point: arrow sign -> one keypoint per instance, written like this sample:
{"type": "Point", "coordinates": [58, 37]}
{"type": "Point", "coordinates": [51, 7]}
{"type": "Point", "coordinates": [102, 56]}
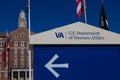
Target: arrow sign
{"type": "Point", "coordinates": [84, 62]}
{"type": "Point", "coordinates": [50, 66]}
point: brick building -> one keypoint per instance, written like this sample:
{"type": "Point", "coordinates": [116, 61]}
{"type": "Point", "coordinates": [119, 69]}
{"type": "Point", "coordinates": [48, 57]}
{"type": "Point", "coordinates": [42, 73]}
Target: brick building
{"type": "Point", "coordinates": [18, 56]}
{"type": "Point", "coordinates": [3, 69]}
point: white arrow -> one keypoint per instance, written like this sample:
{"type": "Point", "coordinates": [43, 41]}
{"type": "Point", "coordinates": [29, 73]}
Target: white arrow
{"type": "Point", "coordinates": [50, 66]}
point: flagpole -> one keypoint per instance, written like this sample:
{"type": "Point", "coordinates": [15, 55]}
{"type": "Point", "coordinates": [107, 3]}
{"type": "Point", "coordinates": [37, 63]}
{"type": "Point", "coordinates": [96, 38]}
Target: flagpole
{"type": "Point", "coordinates": [29, 39]}
{"type": "Point", "coordinates": [102, 1]}
{"type": "Point", "coordinates": [6, 56]}
{"type": "Point", "coordinates": [85, 15]}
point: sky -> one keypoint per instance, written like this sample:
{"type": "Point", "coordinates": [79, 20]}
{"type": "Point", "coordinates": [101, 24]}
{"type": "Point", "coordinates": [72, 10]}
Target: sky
{"type": "Point", "coordinates": [50, 14]}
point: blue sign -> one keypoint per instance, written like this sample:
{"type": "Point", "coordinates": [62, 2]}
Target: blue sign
{"type": "Point", "coordinates": [76, 62]}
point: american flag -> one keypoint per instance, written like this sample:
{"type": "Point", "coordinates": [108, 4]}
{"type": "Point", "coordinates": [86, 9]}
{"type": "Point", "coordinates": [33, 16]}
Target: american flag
{"type": "Point", "coordinates": [79, 8]}
{"type": "Point", "coordinates": [6, 49]}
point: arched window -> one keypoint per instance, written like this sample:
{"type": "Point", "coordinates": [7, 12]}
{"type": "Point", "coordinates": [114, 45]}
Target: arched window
{"type": "Point", "coordinates": [22, 43]}
{"type": "Point", "coordinates": [15, 43]}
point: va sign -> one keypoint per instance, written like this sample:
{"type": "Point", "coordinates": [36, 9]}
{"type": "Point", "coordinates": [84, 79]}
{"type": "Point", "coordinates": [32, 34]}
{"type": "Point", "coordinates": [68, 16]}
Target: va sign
{"type": "Point", "coordinates": [76, 62]}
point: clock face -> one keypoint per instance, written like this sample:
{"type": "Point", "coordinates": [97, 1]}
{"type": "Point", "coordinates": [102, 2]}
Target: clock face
{"type": "Point", "coordinates": [22, 24]}
{"type": "Point", "coordinates": [22, 15]}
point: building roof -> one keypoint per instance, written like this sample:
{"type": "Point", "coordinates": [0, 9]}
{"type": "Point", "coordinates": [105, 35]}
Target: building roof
{"type": "Point", "coordinates": [76, 33]}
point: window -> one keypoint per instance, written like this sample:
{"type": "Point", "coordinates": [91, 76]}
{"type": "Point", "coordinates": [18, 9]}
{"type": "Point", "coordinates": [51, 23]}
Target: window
{"type": "Point", "coordinates": [22, 65]}
{"type": "Point", "coordinates": [22, 43]}
{"type": "Point", "coordinates": [15, 74]}
{"type": "Point", "coordinates": [15, 58]}
{"type": "Point", "coordinates": [22, 74]}
{"type": "Point", "coordinates": [15, 51]}
{"type": "Point", "coordinates": [22, 51]}
{"type": "Point", "coordinates": [22, 62]}
{"type": "Point", "coordinates": [0, 51]}
{"type": "Point", "coordinates": [22, 58]}
{"type": "Point", "coordinates": [15, 43]}
{"type": "Point", "coordinates": [15, 64]}
{"type": "Point", "coordinates": [0, 43]}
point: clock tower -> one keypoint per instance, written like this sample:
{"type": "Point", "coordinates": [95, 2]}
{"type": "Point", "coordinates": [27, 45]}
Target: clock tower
{"type": "Point", "coordinates": [19, 51]}
{"type": "Point", "coordinates": [22, 20]}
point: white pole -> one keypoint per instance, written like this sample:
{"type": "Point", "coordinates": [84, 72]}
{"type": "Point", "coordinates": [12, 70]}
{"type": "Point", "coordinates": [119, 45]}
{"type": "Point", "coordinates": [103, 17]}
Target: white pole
{"type": "Point", "coordinates": [102, 1]}
{"type": "Point", "coordinates": [29, 39]}
{"type": "Point", "coordinates": [85, 16]}
{"type": "Point", "coordinates": [29, 18]}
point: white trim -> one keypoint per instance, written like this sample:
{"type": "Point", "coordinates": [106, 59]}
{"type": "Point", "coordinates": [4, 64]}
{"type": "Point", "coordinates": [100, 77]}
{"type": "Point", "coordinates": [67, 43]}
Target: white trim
{"type": "Point", "coordinates": [80, 29]}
